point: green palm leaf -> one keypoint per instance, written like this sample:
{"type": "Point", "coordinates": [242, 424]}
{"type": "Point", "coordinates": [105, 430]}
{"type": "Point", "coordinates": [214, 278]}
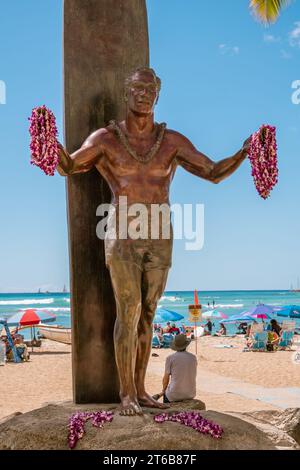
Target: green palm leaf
{"type": "Point", "coordinates": [268, 10]}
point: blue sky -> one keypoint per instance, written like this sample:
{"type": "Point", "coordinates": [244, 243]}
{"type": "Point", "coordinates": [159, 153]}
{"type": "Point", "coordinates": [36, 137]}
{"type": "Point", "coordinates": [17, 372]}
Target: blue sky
{"type": "Point", "coordinates": [223, 75]}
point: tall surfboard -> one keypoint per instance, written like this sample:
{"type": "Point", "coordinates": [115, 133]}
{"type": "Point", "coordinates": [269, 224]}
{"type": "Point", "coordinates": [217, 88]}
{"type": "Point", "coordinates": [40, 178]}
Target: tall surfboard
{"type": "Point", "coordinates": [104, 40]}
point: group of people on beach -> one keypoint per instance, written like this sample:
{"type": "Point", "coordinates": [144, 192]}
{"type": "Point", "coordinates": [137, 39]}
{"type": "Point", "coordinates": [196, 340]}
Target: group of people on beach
{"type": "Point", "coordinates": [274, 331]}
{"type": "Point", "coordinates": [208, 329]}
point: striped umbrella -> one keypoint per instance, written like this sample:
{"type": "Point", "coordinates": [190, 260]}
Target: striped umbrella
{"type": "Point", "coordinates": [215, 314]}
{"type": "Point", "coordinates": [30, 317]}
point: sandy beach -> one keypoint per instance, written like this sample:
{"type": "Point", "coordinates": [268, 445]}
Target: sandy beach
{"type": "Point", "coordinates": [228, 379]}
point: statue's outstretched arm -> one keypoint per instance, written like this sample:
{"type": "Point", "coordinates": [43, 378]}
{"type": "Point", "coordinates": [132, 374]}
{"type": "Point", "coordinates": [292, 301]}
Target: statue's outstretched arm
{"type": "Point", "coordinates": [200, 165]}
{"type": "Point", "coordinates": [82, 160]}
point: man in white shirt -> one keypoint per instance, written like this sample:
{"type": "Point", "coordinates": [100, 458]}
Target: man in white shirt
{"type": "Point", "coordinates": [179, 381]}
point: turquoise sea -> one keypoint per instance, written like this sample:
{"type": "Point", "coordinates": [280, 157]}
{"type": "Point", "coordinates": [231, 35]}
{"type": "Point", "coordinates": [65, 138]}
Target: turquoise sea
{"type": "Point", "coordinates": [229, 302]}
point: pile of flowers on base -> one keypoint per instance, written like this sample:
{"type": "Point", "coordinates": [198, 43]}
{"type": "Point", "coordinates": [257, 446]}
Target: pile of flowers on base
{"type": "Point", "coordinates": [77, 422]}
{"type": "Point", "coordinates": [43, 144]}
{"type": "Point", "coordinates": [263, 158]}
{"type": "Point", "coordinates": [192, 420]}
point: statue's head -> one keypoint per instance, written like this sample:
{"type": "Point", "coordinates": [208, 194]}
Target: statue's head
{"type": "Point", "coordinates": [142, 89]}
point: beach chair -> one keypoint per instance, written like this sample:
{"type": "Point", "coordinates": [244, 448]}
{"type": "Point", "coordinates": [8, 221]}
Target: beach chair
{"type": "Point", "coordinates": [155, 342]}
{"type": "Point", "coordinates": [288, 325]}
{"type": "Point", "coordinates": [259, 341]}
{"type": "Point", "coordinates": [286, 339]}
{"type": "Point", "coordinates": [168, 338]}
{"type": "Point", "coordinates": [256, 328]}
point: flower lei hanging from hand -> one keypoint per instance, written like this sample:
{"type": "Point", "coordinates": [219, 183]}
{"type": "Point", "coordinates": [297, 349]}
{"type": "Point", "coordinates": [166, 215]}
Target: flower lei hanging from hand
{"type": "Point", "coordinates": [263, 159]}
{"type": "Point", "coordinates": [43, 145]}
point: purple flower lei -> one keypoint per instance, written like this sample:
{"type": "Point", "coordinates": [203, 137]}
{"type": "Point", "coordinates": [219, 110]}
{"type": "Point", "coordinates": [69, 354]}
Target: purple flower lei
{"type": "Point", "coordinates": [263, 159]}
{"type": "Point", "coordinates": [43, 143]}
{"type": "Point", "coordinates": [192, 420]}
{"type": "Point", "coordinates": [77, 423]}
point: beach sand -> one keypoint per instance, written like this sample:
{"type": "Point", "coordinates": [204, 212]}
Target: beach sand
{"type": "Point", "coordinates": [228, 379]}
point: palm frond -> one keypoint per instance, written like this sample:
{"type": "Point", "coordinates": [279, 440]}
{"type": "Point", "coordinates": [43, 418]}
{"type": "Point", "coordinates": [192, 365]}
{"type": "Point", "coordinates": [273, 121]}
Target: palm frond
{"type": "Point", "coordinates": [268, 11]}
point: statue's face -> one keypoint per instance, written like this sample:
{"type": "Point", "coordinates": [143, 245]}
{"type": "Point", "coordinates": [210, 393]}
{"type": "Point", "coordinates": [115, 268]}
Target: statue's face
{"type": "Point", "coordinates": [142, 93]}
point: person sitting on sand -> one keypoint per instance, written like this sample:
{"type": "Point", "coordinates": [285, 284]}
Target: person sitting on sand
{"type": "Point", "coordinates": [179, 381]}
{"type": "Point", "coordinates": [242, 328]}
{"type": "Point", "coordinates": [222, 331]}
{"type": "Point", "coordinates": [174, 329]}
{"type": "Point", "coordinates": [274, 326]}
{"type": "Point", "coordinates": [21, 348]}
{"type": "Point", "coordinates": [167, 328]}
{"type": "Point", "coordinates": [209, 326]}
{"type": "Point", "coordinates": [273, 340]}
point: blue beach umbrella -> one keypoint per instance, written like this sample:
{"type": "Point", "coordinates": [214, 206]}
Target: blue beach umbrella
{"type": "Point", "coordinates": [292, 311]}
{"type": "Point", "coordinates": [162, 315]}
{"type": "Point", "coordinates": [239, 318]}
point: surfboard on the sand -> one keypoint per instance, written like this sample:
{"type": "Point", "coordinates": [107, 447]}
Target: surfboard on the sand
{"type": "Point", "coordinates": [104, 40]}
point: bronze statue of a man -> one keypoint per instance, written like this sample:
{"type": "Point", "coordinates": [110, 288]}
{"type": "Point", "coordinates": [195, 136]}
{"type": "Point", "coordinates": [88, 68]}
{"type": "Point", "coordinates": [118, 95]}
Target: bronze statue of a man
{"type": "Point", "coordinates": [138, 159]}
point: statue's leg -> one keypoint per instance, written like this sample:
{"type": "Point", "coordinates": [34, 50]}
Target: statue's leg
{"type": "Point", "coordinates": [153, 285]}
{"type": "Point", "coordinates": [126, 280]}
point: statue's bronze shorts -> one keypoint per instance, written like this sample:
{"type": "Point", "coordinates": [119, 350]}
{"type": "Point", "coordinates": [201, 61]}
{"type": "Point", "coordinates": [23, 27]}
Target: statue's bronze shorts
{"type": "Point", "coordinates": [147, 254]}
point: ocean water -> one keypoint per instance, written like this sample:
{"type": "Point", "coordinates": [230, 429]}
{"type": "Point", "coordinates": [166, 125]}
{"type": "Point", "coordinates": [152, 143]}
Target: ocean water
{"type": "Point", "coordinates": [228, 302]}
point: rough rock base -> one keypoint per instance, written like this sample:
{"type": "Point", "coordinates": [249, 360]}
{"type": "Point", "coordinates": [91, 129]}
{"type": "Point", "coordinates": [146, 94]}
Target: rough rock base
{"type": "Point", "coordinates": [46, 429]}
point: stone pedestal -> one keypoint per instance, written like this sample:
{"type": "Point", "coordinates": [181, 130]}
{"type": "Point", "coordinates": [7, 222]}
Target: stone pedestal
{"type": "Point", "coordinates": [46, 429]}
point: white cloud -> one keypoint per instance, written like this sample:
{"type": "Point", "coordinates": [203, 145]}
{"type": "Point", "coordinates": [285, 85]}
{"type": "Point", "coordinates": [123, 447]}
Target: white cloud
{"type": "Point", "coordinates": [269, 38]}
{"type": "Point", "coordinates": [294, 35]}
{"type": "Point", "coordinates": [225, 49]}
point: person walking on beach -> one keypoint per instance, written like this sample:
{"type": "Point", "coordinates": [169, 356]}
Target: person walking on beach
{"type": "Point", "coordinates": [179, 381]}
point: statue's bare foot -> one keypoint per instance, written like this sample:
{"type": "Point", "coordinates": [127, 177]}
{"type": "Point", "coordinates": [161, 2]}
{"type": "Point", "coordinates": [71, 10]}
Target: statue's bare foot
{"type": "Point", "coordinates": [149, 402]}
{"type": "Point", "coordinates": [130, 407]}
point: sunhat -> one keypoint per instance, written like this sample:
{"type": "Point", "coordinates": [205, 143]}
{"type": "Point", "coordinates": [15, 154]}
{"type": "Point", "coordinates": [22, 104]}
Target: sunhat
{"type": "Point", "coordinates": [180, 343]}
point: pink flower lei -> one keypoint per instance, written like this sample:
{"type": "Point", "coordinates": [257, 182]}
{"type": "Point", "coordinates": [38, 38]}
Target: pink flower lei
{"type": "Point", "coordinates": [192, 420]}
{"type": "Point", "coordinates": [77, 423]}
{"type": "Point", "coordinates": [43, 144]}
{"type": "Point", "coordinates": [263, 159]}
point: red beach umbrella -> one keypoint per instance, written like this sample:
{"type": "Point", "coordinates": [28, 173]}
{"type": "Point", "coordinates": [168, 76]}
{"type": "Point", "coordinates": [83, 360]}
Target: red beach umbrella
{"type": "Point", "coordinates": [30, 317]}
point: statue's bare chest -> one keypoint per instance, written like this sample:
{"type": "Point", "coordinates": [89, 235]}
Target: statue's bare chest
{"type": "Point", "coordinates": [120, 161]}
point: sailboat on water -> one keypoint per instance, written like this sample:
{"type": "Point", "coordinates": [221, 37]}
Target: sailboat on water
{"type": "Point", "coordinates": [298, 287]}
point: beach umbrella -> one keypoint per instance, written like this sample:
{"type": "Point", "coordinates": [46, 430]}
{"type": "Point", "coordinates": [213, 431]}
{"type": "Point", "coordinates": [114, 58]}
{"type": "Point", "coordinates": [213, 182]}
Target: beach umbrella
{"type": "Point", "coordinates": [292, 311]}
{"type": "Point", "coordinates": [215, 314]}
{"type": "Point", "coordinates": [30, 317]}
{"type": "Point", "coordinates": [261, 311]}
{"type": "Point", "coordinates": [239, 318]}
{"type": "Point", "coordinates": [162, 315]}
